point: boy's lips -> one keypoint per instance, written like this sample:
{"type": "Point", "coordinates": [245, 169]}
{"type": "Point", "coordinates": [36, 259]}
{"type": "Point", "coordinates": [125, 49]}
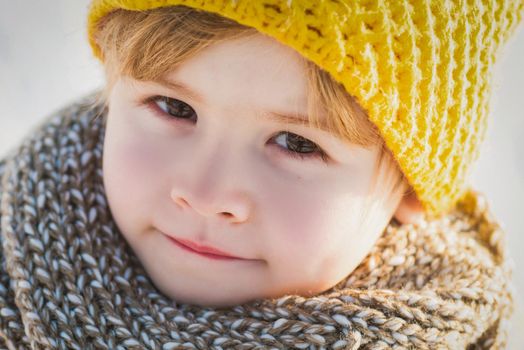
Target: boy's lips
{"type": "Point", "coordinates": [203, 249]}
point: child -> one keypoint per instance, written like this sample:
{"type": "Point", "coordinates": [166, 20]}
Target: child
{"type": "Point", "coordinates": [276, 174]}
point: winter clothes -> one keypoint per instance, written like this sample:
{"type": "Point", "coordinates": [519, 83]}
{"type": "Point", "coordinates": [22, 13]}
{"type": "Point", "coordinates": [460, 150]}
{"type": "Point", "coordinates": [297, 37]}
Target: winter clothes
{"type": "Point", "coordinates": [68, 280]}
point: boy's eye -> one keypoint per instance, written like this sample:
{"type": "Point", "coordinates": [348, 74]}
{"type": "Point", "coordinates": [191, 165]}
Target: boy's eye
{"type": "Point", "coordinates": [174, 108]}
{"type": "Point", "coordinates": [299, 147]}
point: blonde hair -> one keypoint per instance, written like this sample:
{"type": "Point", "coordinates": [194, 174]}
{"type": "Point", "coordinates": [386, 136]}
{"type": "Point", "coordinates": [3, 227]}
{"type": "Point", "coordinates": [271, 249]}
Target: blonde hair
{"type": "Point", "coordinates": [146, 45]}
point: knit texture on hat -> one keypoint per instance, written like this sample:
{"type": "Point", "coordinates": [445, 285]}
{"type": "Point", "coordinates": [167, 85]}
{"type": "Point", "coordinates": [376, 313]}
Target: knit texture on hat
{"type": "Point", "coordinates": [68, 280]}
{"type": "Point", "coordinates": [420, 68]}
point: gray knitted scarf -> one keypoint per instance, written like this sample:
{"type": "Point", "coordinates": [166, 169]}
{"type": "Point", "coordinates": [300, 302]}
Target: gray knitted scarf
{"type": "Point", "coordinates": [68, 279]}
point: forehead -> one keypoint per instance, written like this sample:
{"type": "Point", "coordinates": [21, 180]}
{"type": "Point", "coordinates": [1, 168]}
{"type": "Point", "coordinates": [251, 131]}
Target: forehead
{"type": "Point", "coordinates": [251, 69]}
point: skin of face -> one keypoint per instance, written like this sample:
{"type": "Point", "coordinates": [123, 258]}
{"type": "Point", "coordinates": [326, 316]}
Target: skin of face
{"type": "Point", "coordinates": [225, 177]}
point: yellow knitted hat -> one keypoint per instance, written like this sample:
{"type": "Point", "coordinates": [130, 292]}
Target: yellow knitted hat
{"type": "Point", "coordinates": [420, 68]}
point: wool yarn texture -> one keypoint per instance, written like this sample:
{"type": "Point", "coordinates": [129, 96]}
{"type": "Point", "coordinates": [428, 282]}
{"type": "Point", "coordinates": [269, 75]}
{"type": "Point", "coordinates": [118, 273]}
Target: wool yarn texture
{"type": "Point", "coordinates": [421, 69]}
{"type": "Point", "coordinates": [68, 279]}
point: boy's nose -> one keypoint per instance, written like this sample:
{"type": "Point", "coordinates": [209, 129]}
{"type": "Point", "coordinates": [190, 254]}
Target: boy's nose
{"type": "Point", "coordinates": [214, 181]}
{"type": "Point", "coordinates": [232, 210]}
{"type": "Point", "coordinates": [212, 197]}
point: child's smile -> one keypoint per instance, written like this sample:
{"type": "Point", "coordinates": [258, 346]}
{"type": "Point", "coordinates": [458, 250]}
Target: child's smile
{"type": "Point", "coordinates": [205, 251]}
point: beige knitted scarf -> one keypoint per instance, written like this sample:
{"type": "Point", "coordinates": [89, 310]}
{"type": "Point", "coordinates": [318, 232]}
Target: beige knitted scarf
{"type": "Point", "coordinates": [68, 279]}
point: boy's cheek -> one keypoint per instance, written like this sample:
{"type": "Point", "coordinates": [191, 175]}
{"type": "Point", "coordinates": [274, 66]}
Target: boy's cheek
{"type": "Point", "coordinates": [131, 171]}
{"type": "Point", "coordinates": [302, 222]}
{"type": "Point", "coordinates": [133, 159]}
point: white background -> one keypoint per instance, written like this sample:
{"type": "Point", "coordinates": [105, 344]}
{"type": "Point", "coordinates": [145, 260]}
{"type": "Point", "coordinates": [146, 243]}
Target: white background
{"type": "Point", "coordinates": [45, 63]}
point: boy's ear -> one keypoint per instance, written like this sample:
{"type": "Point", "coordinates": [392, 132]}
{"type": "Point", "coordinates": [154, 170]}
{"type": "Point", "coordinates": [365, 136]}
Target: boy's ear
{"type": "Point", "coordinates": [409, 209]}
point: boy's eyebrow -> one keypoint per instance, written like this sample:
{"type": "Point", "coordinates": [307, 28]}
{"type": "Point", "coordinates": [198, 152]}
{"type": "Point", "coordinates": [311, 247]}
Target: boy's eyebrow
{"type": "Point", "coordinates": [176, 86]}
{"type": "Point", "coordinates": [294, 119]}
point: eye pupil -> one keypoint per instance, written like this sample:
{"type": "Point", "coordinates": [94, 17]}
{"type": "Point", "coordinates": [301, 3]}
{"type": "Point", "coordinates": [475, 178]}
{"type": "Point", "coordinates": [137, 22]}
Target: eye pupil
{"type": "Point", "coordinates": [297, 142]}
{"type": "Point", "coordinates": [178, 108]}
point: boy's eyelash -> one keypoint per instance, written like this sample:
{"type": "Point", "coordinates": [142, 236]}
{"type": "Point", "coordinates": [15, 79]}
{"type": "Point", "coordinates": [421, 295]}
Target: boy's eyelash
{"type": "Point", "coordinates": [151, 104]}
{"type": "Point", "coordinates": [317, 154]}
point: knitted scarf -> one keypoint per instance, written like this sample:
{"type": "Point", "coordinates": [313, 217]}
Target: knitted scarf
{"type": "Point", "coordinates": [69, 280]}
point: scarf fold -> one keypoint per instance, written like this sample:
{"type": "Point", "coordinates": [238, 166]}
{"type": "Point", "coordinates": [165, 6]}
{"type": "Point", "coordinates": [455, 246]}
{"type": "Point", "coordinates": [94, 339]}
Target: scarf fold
{"type": "Point", "coordinates": [69, 280]}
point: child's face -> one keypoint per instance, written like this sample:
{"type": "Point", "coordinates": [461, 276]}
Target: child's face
{"type": "Point", "coordinates": [222, 178]}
